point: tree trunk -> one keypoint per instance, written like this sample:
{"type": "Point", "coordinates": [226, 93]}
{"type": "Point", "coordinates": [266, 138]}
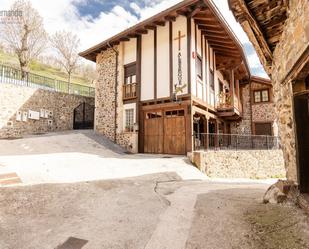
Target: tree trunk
{"type": "Point", "coordinates": [69, 82]}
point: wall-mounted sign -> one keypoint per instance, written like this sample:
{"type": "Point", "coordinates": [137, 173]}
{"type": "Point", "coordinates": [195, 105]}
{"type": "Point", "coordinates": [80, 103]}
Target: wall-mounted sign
{"type": "Point", "coordinates": [33, 115]}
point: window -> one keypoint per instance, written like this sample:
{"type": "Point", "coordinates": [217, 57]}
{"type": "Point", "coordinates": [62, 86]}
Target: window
{"type": "Point", "coordinates": [130, 73]}
{"type": "Point", "coordinates": [153, 115]}
{"type": "Point", "coordinates": [261, 96]}
{"type": "Point", "coordinates": [129, 115]}
{"type": "Point", "coordinates": [199, 71]}
{"type": "Point", "coordinates": [175, 113]}
{"type": "Point", "coordinates": [212, 80]}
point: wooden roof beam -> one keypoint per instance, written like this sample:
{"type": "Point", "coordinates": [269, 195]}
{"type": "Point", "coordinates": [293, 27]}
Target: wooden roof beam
{"type": "Point", "coordinates": [170, 18]}
{"type": "Point", "coordinates": [142, 31]}
{"type": "Point", "coordinates": [159, 23]}
{"type": "Point", "coordinates": [256, 36]}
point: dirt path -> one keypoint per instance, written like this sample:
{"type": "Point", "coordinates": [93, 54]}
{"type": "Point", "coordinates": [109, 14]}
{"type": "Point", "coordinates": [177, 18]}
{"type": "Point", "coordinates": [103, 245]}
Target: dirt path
{"type": "Point", "coordinates": [153, 212]}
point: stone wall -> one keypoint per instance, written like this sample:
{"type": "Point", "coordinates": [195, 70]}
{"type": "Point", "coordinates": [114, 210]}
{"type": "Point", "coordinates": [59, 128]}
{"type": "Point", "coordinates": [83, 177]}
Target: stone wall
{"type": "Point", "coordinates": [254, 164]}
{"type": "Point", "coordinates": [244, 126]}
{"type": "Point", "coordinates": [15, 98]}
{"type": "Point", "coordinates": [262, 112]}
{"type": "Point", "coordinates": [293, 42]}
{"type": "Point", "coordinates": [105, 100]}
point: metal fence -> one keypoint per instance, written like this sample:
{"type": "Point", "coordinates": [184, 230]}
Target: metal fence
{"type": "Point", "coordinates": [211, 141]}
{"type": "Point", "coordinates": [12, 75]}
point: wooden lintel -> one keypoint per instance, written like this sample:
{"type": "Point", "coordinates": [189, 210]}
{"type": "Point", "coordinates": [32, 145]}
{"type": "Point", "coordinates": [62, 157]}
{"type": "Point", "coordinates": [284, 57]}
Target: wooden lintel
{"type": "Point", "coordinates": [159, 23]}
{"type": "Point", "coordinates": [142, 31]}
{"type": "Point", "coordinates": [170, 18]}
{"type": "Point", "coordinates": [152, 27]}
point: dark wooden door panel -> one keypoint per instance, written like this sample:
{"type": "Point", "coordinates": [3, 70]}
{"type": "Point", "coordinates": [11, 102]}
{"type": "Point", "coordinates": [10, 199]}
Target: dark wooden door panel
{"type": "Point", "coordinates": [302, 130]}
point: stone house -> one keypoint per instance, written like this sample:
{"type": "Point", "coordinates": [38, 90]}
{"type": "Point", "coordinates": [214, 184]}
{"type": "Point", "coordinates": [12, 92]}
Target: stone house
{"type": "Point", "coordinates": [279, 31]}
{"type": "Point", "coordinates": [178, 73]}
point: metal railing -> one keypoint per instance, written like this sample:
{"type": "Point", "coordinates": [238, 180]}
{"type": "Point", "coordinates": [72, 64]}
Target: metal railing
{"type": "Point", "coordinates": [12, 75]}
{"type": "Point", "coordinates": [212, 141]}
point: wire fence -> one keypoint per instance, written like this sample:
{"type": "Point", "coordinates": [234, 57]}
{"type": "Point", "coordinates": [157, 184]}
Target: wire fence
{"type": "Point", "coordinates": [12, 75]}
{"type": "Point", "coordinates": [211, 141]}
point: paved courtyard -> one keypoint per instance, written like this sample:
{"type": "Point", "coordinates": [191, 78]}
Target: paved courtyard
{"type": "Point", "coordinates": [77, 190]}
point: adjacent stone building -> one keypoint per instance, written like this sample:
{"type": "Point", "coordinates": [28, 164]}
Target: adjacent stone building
{"type": "Point", "coordinates": [279, 31]}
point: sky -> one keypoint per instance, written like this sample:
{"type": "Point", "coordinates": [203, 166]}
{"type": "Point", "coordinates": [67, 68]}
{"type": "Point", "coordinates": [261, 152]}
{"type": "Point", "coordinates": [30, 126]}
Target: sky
{"type": "Point", "coordinates": [96, 20]}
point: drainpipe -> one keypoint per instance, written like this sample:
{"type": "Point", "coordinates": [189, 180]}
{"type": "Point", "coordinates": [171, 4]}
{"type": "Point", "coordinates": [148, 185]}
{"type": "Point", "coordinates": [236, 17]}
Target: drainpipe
{"type": "Point", "coordinates": [116, 88]}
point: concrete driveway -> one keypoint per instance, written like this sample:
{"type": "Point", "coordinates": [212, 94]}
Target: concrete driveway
{"type": "Point", "coordinates": [77, 190]}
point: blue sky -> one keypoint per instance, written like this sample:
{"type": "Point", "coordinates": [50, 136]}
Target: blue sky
{"type": "Point", "coordinates": [96, 20]}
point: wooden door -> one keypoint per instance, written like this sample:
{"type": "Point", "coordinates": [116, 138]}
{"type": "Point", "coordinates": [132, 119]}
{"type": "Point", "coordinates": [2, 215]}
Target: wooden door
{"type": "Point", "coordinates": [174, 132]}
{"type": "Point", "coordinates": [263, 129]}
{"type": "Point", "coordinates": [153, 132]}
{"type": "Point", "coordinates": [301, 110]}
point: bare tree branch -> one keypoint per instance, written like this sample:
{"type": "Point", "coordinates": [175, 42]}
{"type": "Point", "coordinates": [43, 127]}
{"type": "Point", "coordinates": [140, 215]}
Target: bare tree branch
{"type": "Point", "coordinates": [24, 34]}
{"type": "Point", "coordinates": [66, 45]}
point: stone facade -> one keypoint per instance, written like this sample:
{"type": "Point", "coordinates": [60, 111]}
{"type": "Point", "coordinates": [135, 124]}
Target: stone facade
{"type": "Point", "coordinates": [254, 113]}
{"type": "Point", "coordinates": [19, 98]}
{"type": "Point", "coordinates": [293, 42]}
{"type": "Point", "coordinates": [105, 114]}
{"type": "Point", "coordinates": [241, 164]}
{"type": "Point", "coordinates": [286, 65]}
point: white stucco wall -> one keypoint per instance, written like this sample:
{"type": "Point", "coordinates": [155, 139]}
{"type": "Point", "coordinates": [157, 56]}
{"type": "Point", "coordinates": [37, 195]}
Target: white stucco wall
{"type": "Point", "coordinates": [147, 74]}
{"type": "Point", "coordinates": [163, 64]}
{"type": "Point", "coordinates": [129, 49]}
{"type": "Point", "coordinates": [180, 25]}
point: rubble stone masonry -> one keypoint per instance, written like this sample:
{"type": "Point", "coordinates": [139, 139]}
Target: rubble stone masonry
{"type": "Point", "coordinates": [15, 99]}
{"type": "Point", "coordinates": [294, 41]}
{"type": "Point", "coordinates": [105, 100]}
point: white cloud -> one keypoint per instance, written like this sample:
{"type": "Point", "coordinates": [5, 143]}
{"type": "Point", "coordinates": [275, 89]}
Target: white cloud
{"type": "Point", "coordinates": [62, 14]}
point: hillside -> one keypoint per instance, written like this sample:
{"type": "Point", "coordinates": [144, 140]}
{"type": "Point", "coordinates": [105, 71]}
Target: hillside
{"type": "Point", "coordinates": [44, 70]}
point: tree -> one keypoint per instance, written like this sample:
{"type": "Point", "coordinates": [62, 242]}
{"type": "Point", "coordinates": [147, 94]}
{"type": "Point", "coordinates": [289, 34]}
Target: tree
{"type": "Point", "coordinates": [66, 45]}
{"type": "Point", "coordinates": [24, 33]}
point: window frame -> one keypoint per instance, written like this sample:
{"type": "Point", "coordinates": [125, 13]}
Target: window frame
{"type": "Point", "coordinates": [199, 60]}
{"type": "Point", "coordinates": [129, 117]}
{"type": "Point", "coordinates": [260, 92]}
{"type": "Point", "coordinates": [129, 73]}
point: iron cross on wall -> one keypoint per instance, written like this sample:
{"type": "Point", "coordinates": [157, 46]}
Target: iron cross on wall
{"type": "Point", "coordinates": [179, 87]}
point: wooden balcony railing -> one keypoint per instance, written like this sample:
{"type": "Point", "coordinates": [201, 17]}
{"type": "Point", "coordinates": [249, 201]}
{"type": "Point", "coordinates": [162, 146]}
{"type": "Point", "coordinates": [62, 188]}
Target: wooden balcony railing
{"type": "Point", "coordinates": [226, 101]}
{"type": "Point", "coordinates": [129, 91]}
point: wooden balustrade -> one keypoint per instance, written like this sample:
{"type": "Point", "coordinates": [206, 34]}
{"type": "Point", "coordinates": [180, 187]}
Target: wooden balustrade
{"type": "Point", "coordinates": [129, 91]}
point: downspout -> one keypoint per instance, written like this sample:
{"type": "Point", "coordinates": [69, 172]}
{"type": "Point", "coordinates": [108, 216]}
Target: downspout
{"type": "Point", "coordinates": [116, 88]}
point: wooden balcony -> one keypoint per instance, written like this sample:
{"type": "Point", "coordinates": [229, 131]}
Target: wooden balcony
{"type": "Point", "coordinates": [129, 91]}
{"type": "Point", "coordinates": [229, 107]}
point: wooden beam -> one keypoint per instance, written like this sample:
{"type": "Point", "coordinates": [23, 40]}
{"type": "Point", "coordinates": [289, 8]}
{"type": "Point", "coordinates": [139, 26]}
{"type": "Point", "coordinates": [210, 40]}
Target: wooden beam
{"type": "Point", "coordinates": [256, 30]}
{"type": "Point", "coordinates": [155, 64]}
{"type": "Point", "coordinates": [170, 18]}
{"type": "Point", "coordinates": [142, 31]}
{"type": "Point", "coordinates": [152, 27]}
{"type": "Point", "coordinates": [189, 46]}
{"type": "Point", "coordinates": [159, 23]}
{"type": "Point", "coordinates": [124, 39]}
{"type": "Point", "coordinates": [171, 57]}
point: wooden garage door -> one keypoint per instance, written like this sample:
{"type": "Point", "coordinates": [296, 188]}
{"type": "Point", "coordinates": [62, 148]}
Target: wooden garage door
{"type": "Point", "coordinates": [174, 132]}
{"type": "Point", "coordinates": [153, 132]}
{"type": "Point", "coordinates": [165, 132]}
